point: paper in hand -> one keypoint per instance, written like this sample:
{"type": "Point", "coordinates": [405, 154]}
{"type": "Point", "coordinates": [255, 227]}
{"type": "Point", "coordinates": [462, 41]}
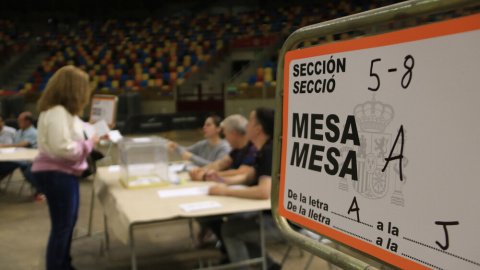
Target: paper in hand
{"type": "Point", "coordinates": [100, 129]}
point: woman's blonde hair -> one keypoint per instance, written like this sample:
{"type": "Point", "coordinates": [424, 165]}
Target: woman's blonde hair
{"type": "Point", "coordinates": [69, 87]}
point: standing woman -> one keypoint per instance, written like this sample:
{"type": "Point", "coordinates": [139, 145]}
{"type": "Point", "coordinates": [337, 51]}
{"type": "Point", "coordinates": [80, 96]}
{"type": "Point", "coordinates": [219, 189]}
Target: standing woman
{"type": "Point", "coordinates": [61, 158]}
{"type": "Point", "coordinates": [205, 151]}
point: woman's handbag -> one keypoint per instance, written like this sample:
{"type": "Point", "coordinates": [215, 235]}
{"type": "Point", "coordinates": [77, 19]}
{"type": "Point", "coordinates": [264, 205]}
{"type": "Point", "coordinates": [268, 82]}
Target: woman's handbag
{"type": "Point", "coordinates": [92, 163]}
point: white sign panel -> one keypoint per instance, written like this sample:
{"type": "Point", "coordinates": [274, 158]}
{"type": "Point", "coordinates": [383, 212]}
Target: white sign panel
{"type": "Point", "coordinates": [380, 144]}
{"type": "Point", "coordinates": [104, 108]}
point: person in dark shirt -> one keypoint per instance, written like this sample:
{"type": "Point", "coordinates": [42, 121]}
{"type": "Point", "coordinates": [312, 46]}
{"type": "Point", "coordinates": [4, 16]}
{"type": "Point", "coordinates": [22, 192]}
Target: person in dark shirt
{"type": "Point", "coordinates": [238, 160]}
{"type": "Point", "coordinates": [242, 230]}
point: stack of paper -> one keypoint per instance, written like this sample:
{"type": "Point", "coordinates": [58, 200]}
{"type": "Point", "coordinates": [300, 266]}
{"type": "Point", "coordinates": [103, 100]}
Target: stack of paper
{"type": "Point", "coordinates": [183, 192]}
{"type": "Point", "coordinates": [197, 206]}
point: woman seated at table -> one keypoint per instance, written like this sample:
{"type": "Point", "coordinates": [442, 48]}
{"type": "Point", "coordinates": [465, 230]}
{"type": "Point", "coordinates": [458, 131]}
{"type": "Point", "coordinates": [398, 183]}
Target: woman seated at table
{"type": "Point", "coordinates": [211, 149]}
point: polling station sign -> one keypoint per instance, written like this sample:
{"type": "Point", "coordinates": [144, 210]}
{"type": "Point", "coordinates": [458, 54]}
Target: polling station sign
{"type": "Point", "coordinates": [104, 107]}
{"type": "Point", "coordinates": [380, 144]}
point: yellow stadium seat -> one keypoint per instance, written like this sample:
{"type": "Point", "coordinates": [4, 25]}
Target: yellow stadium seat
{"type": "Point", "coordinates": [268, 78]}
{"type": "Point", "coordinates": [115, 84]}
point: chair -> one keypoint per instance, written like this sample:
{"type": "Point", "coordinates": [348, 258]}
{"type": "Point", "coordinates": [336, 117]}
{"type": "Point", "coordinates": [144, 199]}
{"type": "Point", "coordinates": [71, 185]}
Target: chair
{"type": "Point", "coordinates": [9, 180]}
{"type": "Point", "coordinates": [115, 84]}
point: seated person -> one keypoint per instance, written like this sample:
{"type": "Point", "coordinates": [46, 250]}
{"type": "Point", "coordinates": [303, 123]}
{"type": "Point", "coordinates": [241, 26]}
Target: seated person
{"type": "Point", "coordinates": [239, 159]}
{"type": "Point", "coordinates": [204, 152]}
{"type": "Point", "coordinates": [237, 162]}
{"type": "Point", "coordinates": [6, 133]}
{"type": "Point", "coordinates": [26, 136]}
{"type": "Point", "coordinates": [242, 230]}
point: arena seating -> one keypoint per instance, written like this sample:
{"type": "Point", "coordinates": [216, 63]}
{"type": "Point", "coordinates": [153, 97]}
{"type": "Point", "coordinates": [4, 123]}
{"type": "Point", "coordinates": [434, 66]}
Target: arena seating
{"type": "Point", "coordinates": [152, 53]}
{"type": "Point", "coordinates": [11, 40]}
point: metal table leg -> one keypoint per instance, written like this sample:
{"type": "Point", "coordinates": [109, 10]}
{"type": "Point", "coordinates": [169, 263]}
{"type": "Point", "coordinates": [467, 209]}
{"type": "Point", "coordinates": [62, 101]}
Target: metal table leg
{"type": "Point", "coordinates": [133, 258]}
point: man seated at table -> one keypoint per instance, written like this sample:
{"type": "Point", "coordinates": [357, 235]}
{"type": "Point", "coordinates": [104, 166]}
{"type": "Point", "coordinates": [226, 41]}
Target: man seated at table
{"type": "Point", "coordinates": [26, 137]}
{"type": "Point", "coordinates": [242, 230]}
{"type": "Point", "coordinates": [238, 160]}
{"type": "Point", "coordinates": [6, 133]}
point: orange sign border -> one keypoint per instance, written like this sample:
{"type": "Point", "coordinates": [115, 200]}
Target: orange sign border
{"type": "Point", "coordinates": [454, 26]}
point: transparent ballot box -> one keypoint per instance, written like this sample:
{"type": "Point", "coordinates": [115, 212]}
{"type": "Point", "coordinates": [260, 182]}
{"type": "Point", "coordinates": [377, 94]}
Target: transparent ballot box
{"type": "Point", "coordinates": [143, 161]}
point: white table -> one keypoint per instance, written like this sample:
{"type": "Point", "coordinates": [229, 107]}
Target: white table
{"type": "Point", "coordinates": [126, 208]}
{"type": "Point", "coordinates": [12, 154]}
{"type": "Point", "coordinates": [16, 154]}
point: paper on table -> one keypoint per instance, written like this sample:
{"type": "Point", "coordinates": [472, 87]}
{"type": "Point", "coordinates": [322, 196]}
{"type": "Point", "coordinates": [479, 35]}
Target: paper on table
{"type": "Point", "coordinates": [115, 136]}
{"type": "Point", "coordinates": [237, 186]}
{"type": "Point", "coordinates": [114, 168]}
{"type": "Point", "coordinates": [173, 170]}
{"type": "Point", "coordinates": [197, 206]}
{"type": "Point", "coordinates": [183, 192]}
{"type": "Point", "coordinates": [177, 167]}
{"type": "Point", "coordinates": [7, 150]}
{"type": "Point", "coordinates": [141, 140]}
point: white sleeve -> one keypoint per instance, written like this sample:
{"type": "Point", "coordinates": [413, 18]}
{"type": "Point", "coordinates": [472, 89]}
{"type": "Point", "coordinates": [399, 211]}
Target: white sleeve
{"type": "Point", "coordinates": [59, 136]}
